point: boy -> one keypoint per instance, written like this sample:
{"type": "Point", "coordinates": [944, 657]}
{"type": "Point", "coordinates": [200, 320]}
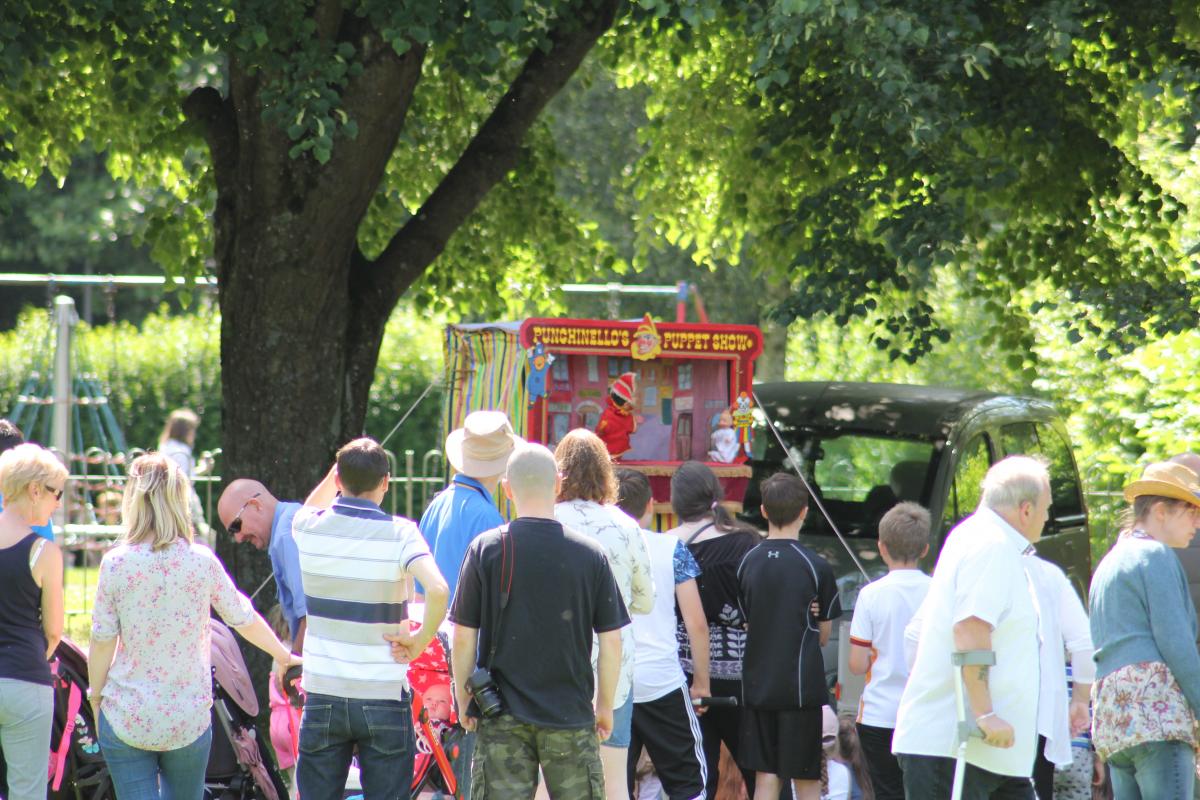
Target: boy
{"type": "Point", "coordinates": [783, 676]}
{"type": "Point", "coordinates": [883, 610]}
{"type": "Point", "coordinates": [663, 719]}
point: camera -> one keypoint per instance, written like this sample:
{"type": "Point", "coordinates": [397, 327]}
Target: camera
{"type": "Point", "coordinates": [485, 692]}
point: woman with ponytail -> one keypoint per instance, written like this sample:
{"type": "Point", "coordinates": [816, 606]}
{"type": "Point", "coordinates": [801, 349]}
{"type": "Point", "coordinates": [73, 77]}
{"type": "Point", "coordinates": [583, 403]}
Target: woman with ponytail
{"type": "Point", "coordinates": [718, 542]}
{"type": "Point", "coordinates": [153, 700]}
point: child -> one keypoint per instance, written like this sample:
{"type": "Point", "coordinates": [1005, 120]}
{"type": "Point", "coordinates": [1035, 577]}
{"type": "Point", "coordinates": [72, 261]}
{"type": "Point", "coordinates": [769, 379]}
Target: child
{"type": "Point", "coordinates": [617, 422]}
{"type": "Point", "coordinates": [663, 719]}
{"type": "Point", "coordinates": [285, 722]}
{"type": "Point", "coordinates": [883, 610]}
{"type": "Point", "coordinates": [783, 675]}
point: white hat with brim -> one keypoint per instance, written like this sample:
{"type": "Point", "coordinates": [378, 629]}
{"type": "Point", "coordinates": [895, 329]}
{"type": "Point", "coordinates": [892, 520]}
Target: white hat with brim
{"type": "Point", "coordinates": [1166, 479]}
{"type": "Point", "coordinates": [481, 447]}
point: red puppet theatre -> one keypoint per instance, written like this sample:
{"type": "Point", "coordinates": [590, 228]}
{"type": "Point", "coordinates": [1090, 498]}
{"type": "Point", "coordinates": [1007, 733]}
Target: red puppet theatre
{"type": "Point", "coordinates": [618, 421]}
{"type": "Point", "coordinates": [657, 393]}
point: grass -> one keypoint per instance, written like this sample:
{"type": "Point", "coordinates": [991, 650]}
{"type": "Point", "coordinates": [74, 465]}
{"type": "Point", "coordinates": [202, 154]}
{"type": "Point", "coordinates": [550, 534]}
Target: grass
{"type": "Point", "coordinates": [79, 589]}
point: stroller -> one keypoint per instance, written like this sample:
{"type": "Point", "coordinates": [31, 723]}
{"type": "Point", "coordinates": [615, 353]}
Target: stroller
{"type": "Point", "coordinates": [238, 768]}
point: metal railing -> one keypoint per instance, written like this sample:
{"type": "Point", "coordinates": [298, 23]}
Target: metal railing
{"type": "Point", "coordinates": [97, 478]}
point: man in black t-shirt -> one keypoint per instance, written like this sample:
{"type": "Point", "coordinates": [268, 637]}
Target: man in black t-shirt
{"type": "Point", "coordinates": [537, 644]}
{"type": "Point", "coordinates": [783, 676]}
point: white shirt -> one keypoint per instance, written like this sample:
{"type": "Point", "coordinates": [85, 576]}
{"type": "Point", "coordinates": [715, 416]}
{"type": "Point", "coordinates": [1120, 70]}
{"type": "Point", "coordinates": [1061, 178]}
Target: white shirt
{"type": "Point", "coordinates": [656, 669]}
{"type": "Point", "coordinates": [839, 781]}
{"type": "Point", "coordinates": [883, 609]}
{"type": "Point", "coordinates": [1064, 623]}
{"type": "Point", "coordinates": [980, 573]}
{"type": "Point", "coordinates": [623, 542]}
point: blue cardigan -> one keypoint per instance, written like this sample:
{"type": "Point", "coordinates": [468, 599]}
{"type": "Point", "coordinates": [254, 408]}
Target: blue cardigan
{"type": "Point", "coordinates": [1141, 610]}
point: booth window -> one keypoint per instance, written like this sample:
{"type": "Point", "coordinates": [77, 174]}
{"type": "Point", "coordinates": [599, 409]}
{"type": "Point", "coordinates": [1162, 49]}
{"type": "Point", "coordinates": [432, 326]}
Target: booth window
{"type": "Point", "coordinates": [683, 437]}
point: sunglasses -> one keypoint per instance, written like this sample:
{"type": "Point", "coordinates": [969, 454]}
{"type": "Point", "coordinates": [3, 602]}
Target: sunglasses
{"type": "Point", "coordinates": [235, 524]}
{"type": "Point", "coordinates": [58, 493]}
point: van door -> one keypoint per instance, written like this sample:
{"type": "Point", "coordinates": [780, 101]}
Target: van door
{"type": "Point", "coordinates": [1065, 539]}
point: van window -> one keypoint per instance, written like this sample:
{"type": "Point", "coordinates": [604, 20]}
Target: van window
{"type": "Point", "coordinates": [967, 485]}
{"type": "Point", "coordinates": [1044, 441]}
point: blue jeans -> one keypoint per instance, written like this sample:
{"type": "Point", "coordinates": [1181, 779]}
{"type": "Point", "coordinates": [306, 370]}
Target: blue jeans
{"type": "Point", "coordinates": [329, 730]}
{"type": "Point", "coordinates": [622, 731]}
{"type": "Point", "coordinates": [1152, 770]}
{"type": "Point", "coordinates": [153, 774]}
{"type": "Point", "coordinates": [26, 716]}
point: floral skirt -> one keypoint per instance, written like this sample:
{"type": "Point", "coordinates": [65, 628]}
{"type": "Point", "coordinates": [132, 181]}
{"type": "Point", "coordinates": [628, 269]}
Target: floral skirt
{"type": "Point", "coordinates": [1140, 703]}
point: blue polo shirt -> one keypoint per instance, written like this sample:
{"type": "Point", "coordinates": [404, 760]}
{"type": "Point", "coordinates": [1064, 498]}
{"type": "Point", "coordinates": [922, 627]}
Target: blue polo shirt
{"type": "Point", "coordinates": [285, 564]}
{"type": "Point", "coordinates": [44, 531]}
{"type": "Point", "coordinates": [459, 513]}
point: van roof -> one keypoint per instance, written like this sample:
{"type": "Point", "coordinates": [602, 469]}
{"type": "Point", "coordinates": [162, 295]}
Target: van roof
{"type": "Point", "coordinates": [887, 409]}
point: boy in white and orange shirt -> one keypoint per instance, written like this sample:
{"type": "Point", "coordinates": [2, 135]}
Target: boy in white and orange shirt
{"type": "Point", "coordinates": [883, 610]}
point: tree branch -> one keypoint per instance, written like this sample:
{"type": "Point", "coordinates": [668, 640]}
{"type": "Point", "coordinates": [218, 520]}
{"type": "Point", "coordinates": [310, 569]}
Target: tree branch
{"type": "Point", "coordinates": [215, 117]}
{"type": "Point", "coordinates": [492, 153]}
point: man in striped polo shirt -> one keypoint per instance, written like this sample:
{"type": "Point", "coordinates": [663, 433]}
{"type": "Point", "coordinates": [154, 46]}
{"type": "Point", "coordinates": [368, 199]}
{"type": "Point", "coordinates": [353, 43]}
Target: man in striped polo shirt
{"type": "Point", "coordinates": [354, 558]}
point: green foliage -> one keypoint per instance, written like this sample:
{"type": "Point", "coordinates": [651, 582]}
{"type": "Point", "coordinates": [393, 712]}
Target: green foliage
{"type": "Point", "coordinates": [857, 146]}
{"type": "Point", "coordinates": [172, 360]}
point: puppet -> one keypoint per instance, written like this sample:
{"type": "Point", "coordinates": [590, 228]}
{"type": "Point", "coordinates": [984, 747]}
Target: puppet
{"type": "Point", "coordinates": [725, 444]}
{"type": "Point", "coordinates": [618, 423]}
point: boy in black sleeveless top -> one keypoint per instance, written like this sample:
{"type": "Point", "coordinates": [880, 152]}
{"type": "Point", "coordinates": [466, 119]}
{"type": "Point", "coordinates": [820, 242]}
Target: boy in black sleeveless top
{"type": "Point", "coordinates": [783, 676]}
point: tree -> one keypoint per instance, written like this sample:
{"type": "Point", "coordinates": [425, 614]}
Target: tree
{"type": "Point", "coordinates": [336, 148]}
{"type": "Point", "coordinates": [853, 147]}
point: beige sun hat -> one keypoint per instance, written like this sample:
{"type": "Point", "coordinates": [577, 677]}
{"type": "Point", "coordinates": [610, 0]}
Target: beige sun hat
{"type": "Point", "coordinates": [1166, 479]}
{"type": "Point", "coordinates": [481, 447]}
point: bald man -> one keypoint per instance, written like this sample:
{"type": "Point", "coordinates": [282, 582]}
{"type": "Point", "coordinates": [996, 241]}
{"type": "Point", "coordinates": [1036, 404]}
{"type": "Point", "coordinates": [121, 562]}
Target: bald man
{"type": "Point", "coordinates": [252, 514]}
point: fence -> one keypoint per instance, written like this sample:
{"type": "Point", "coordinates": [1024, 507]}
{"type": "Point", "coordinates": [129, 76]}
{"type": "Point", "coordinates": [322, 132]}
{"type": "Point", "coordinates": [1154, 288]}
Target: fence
{"type": "Point", "coordinates": [92, 515]}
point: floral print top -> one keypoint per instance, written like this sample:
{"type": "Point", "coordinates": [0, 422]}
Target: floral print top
{"type": "Point", "coordinates": [1140, 703]}
{"type": "Point", "coordinates": [159, 689]}
{"type": "Point", "coordinates": [622, 539]}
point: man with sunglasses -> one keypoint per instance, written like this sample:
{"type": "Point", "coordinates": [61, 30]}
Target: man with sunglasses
{"type": "Point", "coordinates": [252, 514]}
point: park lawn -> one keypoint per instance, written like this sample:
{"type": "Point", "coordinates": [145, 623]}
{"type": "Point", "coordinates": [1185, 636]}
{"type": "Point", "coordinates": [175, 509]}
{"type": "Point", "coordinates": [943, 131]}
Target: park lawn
{"type": "Point", "coordinates": [79, 590]}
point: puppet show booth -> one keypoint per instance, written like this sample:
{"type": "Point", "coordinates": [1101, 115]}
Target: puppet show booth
{"type": "Point", "coordinates": [657, 393]}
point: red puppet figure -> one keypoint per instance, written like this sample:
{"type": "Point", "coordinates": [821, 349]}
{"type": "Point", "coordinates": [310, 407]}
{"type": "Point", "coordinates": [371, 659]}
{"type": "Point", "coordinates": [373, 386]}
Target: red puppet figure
{"type": "Point", "coordinates": [618, 423]}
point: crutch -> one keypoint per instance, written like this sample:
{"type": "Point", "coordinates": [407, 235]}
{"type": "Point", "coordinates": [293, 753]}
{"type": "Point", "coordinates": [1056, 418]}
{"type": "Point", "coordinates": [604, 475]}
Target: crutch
{"type": "Point", "coordinates": [966, 723]}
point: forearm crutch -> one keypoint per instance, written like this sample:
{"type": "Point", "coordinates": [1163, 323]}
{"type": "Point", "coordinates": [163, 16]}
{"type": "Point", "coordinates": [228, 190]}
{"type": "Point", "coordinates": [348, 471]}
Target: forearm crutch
{"type": "Point", "coordinates": [967, 726]}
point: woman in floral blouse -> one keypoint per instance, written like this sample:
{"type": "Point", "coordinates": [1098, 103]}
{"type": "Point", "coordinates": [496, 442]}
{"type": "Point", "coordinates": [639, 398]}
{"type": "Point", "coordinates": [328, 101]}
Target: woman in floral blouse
{"type": "Point", "coordinates": [587, 505]}
{"type": "Point", "coordinates": [1147, 694]}
{"type": "Point", "coordinates": [153, 597]}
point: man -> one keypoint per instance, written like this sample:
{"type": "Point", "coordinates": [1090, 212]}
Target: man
{"type": "Point", "coordinates": [252, 514]}
{"type": "Point", "coordinates": [10, 437]}
{"type": "Point", "coordinates": [478, 452]}
{"type": "Point", "coordinates": [530, 596]}
{"type": "Point", "coordinates": [979, 599]}
{"type": "Point", "coordinates": [355, 559]}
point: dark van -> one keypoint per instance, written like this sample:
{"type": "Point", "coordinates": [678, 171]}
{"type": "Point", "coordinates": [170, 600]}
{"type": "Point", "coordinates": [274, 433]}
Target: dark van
{"type": "Point", "coordinates": [867, 446]}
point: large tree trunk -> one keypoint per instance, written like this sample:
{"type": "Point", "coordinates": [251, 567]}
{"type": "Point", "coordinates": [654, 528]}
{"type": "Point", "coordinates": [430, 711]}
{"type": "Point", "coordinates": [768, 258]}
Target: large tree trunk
{"type": "Point", "coordinates": [302, 310]}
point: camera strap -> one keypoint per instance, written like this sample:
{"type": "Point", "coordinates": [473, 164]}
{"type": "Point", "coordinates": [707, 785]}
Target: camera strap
{"type": "Point", "coordinates": [507, 566]}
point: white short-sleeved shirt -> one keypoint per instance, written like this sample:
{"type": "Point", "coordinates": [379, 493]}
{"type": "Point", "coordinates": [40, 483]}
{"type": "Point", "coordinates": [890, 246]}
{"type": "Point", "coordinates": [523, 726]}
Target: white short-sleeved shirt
{"type": "Point", "coordinates": [883, 609]}
{"type": "Point", "coordinates": [980, 573]}
{"type": "Point", "coordinates": [623, 542]}
{"type": "Point", "coordinates": [1064, 626]}
{"type": "Point", "coordinates": [656, 669]}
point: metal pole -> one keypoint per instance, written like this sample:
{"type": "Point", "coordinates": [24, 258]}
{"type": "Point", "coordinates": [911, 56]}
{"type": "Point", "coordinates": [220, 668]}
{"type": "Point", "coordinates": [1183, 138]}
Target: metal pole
{"type": "Point", "coordinates": [60, 435]}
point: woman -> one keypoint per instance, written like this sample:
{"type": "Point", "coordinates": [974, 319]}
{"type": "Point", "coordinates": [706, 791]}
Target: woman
{"type": "Point", "coordinates": [1144, 628]}
{"type": "Point", "coordinates": [154, 592]}
{"type": "Point", "coordinates": [31, 614]}
{"type": "Point", "coordinates": [176, 441]}
{"type": "Point", "coordinates": [718, 544]}
{"type": "Point", "coordinates": [587, 504]}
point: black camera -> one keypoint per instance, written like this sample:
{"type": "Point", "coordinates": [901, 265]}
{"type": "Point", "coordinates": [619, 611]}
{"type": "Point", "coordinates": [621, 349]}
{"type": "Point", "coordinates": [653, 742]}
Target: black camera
{"type": "Point", "coordinates": [485, 693]}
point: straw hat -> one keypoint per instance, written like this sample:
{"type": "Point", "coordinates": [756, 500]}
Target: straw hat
{"type": "Point", "coordinates": [1164, 479]}
{"type": "Point", "coordinates": [481, 447]}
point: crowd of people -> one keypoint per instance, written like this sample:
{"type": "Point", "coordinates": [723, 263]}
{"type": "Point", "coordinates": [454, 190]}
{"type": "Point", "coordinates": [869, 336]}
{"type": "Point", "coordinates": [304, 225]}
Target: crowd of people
{"type": "Point", "coordinates": [592, 657]}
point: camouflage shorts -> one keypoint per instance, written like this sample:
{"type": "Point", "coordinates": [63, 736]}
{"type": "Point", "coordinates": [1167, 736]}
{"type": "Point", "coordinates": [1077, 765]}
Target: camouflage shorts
{"type": "Point", "coordinates": [508, 754]}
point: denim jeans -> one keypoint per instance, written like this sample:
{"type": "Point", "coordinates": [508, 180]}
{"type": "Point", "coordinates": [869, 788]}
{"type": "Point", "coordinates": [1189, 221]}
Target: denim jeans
{"type": "Point", "coordinates": [1153, 770]}
{"type": "Point", "coordinates": [329, 730]}
{"type": "Point", "coordinates": [932, 778]}
{"type": "Point", "coordinates": [26, 715]}
{"type": "Point", "coordinates": [153, 774]}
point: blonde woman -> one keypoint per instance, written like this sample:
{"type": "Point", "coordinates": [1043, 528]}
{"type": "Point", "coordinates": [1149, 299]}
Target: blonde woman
{"type": "Point", "coordinates": [31, 613]}
{"type": "Point", "coordinates": [153, 596]}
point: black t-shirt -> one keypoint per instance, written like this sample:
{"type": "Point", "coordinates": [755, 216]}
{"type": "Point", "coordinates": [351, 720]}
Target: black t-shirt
{"type": "Point", "coordinates": [562, 589]}
{"type": "Point", "coordinates": [778, 581]}
{"type": "Point", "coordinates": [719, 558]}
